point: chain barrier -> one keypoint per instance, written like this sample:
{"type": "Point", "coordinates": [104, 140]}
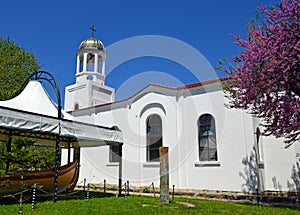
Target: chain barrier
{"type": "Point", "coordinates": [106, 186]}
{"type": "Point", "coordinates": [20, 200]}
{"type": "Point", "coordinates": [38, 192]}
{"type": "Point", "coordinates": [47, 194]}
{"type": "Point", "coordinates": [146, 189]}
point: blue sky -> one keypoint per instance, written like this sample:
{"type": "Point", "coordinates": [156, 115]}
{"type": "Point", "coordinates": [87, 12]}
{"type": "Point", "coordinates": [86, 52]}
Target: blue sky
{"type": "Point", "coordinates": [53, 30]}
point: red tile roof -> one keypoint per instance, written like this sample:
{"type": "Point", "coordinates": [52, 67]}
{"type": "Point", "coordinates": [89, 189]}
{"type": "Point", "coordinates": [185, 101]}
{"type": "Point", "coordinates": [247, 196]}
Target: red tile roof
{"type": "Point", "coordinates": [188, 86]}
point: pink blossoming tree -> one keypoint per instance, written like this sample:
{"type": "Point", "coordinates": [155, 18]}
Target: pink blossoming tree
{"type": "Point", "coordinates": [265, 77]}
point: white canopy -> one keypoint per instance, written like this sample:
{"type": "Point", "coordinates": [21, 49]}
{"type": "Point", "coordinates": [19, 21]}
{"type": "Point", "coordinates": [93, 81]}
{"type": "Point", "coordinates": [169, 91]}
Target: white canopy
{"type": "Point", "coordinates": [34, 98]}
{"type": "Point", "coordinates": [33, 114]}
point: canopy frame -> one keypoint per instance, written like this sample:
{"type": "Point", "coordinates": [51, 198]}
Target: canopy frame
{"type": "Point", "coordinates": [12, 123]}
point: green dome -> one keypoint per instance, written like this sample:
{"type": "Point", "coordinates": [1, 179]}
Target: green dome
{"type": "Point", "coordinates": [91, 43]}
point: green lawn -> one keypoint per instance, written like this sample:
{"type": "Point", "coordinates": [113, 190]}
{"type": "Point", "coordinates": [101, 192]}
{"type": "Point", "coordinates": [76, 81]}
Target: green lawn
{"type": "Point", "coordinates": [143, 205]}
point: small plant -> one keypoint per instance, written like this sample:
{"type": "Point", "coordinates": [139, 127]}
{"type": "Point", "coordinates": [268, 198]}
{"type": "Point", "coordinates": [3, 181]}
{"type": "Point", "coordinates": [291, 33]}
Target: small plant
{"type": "Point", "coordinates": [146, 190]}
{"type": "Point", "coordinates": [2, 173]}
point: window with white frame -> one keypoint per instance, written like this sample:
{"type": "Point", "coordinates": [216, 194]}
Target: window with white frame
{"type": "Point", "coordinates": [207, 138]}
{"type": "Point", "coordinates": [154, 137]}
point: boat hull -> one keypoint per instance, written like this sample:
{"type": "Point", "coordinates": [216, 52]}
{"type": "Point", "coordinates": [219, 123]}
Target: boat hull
{"type": "Point", "coordinates": [67, 179]}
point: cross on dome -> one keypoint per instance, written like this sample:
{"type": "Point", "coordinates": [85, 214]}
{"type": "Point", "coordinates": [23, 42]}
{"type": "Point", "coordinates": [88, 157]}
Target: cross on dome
{"type": "Point", "coordinates": [91, 43]}
{"type": "Point", "coordinates": [93, 30]}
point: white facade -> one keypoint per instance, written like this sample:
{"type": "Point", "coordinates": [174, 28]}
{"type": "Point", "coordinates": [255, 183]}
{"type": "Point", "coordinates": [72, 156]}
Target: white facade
{"type": "Point", "coordinates": [237, 142]}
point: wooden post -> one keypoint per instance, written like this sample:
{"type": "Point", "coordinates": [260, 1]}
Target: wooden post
{"type": "Point", "coordinates": [164, 174]}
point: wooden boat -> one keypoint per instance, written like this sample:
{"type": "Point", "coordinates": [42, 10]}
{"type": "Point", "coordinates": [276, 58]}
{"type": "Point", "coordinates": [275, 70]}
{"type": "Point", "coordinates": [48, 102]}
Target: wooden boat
{"type": "Point", "coordinates": [67, 179]}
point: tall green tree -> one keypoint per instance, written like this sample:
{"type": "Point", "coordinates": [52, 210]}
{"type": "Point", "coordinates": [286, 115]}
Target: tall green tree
{"type": "Point", "coordinates": [16, 64]}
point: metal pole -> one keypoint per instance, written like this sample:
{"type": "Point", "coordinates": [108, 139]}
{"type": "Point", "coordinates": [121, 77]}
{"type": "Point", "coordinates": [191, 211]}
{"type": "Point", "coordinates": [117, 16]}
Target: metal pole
{"type": "Point", "coordinates": [104, 186]}
{"type": "Point", "coordinates": [55, 186]}
{"type": "Point", "coordinates": [257, 196]}
{"type": "Point", "coordinates": [88, 192]}
{"type": "Point", "coordinates": [33, 196]}
{"type": "Point", "coordinates": [125, 189]}
{"type": "Point", "coordinates": [57, 145]}
{"type": "Point", "coordinates": [21, 197]}
{"type": "Point", "coordinates": [153, 190]}
{"type": "Point", "coordinates": [128, 187]}
{"type": "Point", "coordinates": [173, 192]}
{"type": "Point", "coordinates": [8, 149]}
{"type": "Point", "coordinates": [256, 151]}
{"type": "Point", "coordinates": [21, 204]}
{"type": "Point", "coordinates": [120, 170]}
{"type": "Point", "coordinates": [69, 151]}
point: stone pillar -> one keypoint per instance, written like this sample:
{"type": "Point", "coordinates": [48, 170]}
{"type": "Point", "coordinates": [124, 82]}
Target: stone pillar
{"type": "Point", "coordinates": [78, 65]}
{"type": "Point", "coordinates": [84, 69]}
{"type": "Point", "coordinates": [164, 174]}
{"type": "Point", "coordinates": [96, 63]}
{"type": "Point", "coordinates": [103, 69]}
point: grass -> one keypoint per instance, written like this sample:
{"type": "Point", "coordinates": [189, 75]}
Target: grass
{"type": "Point", "coordinates": [142, 205]}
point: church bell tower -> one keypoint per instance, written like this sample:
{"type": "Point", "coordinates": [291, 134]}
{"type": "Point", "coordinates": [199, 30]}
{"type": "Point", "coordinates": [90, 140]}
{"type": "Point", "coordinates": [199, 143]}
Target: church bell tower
{"type": "Point", "coordinates": [90, 89]}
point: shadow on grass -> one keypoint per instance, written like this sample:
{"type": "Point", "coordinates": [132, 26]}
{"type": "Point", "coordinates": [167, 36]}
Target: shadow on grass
{"type": "Point", "coordinates": [43, 197]}
{"type": "Point", "coordinates": [294, 207]}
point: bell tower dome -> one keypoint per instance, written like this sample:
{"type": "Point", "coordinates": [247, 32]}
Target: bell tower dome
{"type": "Point", "coordinates": [90, 89]}
{"type": "Point", "coordinates": [91, 58]}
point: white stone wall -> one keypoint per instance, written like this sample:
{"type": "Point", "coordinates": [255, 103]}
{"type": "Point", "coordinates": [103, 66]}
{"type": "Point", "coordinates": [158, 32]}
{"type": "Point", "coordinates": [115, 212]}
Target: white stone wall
{"type": "Point", "coordinates": [180, 111]}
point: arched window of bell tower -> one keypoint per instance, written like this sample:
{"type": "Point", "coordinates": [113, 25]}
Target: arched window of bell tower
{"type": "Point", "coordinates": [81, 63]}
{"type": "Point", "coordinates": [91, 62]}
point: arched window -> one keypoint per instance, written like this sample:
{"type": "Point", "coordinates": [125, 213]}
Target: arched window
{"type": "Point", "coordinates": [76, 106]}
{"type": "Point", "coordinates": [90, 62]}
{"type": "Point", "coordinates": [154, 137]}
{"type": "Point", "coordinates": [81, 63]}
{"type": "Point", "coordinates": [207, 138]}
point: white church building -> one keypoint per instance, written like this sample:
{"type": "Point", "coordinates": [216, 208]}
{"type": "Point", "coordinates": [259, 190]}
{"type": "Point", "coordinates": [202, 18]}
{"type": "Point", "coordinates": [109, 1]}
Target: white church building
{"type": "Point", "coordinates": [211, 147]}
